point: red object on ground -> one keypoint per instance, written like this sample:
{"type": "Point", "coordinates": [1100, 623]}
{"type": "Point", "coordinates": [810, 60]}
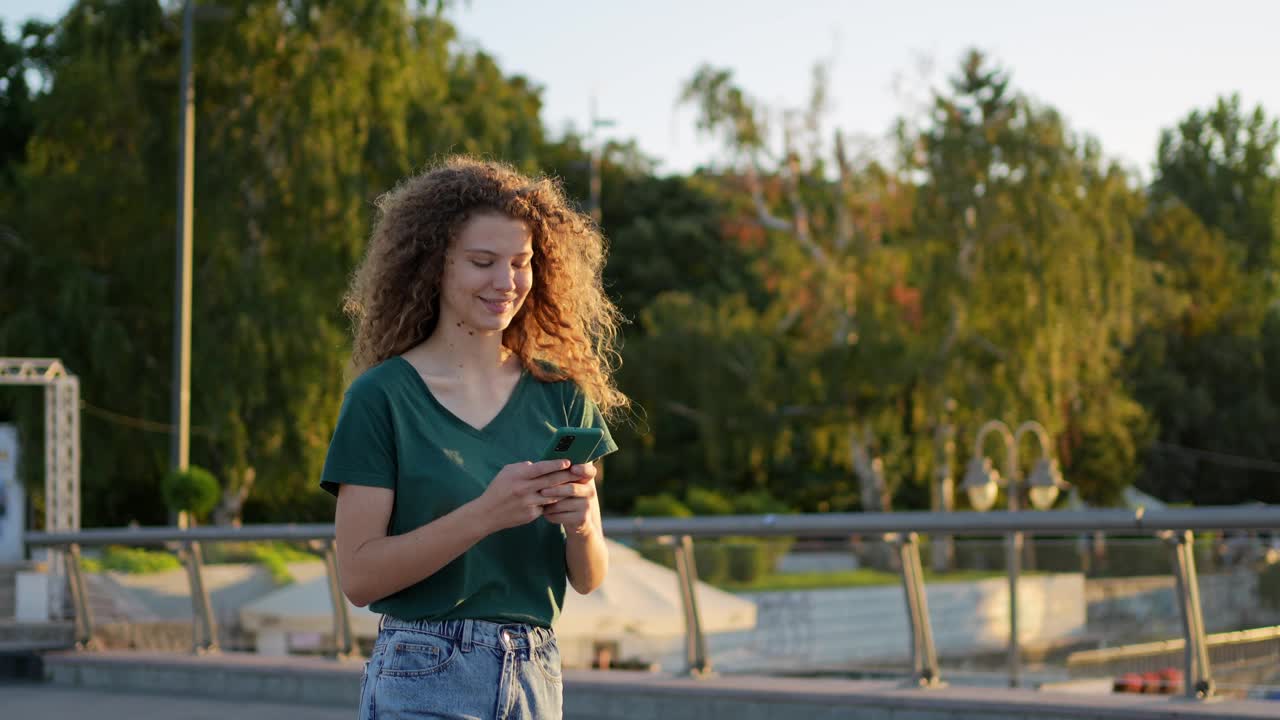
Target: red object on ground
{"type": "Point", "coordinates": [1151, 682]}
{"type": "Point", "coordinates": [1128, 683]}
{"type": "Point", "coordinates": [1171, 681]}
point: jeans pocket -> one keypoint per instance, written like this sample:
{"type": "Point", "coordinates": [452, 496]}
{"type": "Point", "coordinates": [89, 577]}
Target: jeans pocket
{"type": "Point", "coordinates": [417, 655]}
{"type": "Point", "coordinates": [365, 711]}
{"type": "Point", "coordinates": [547, 657]}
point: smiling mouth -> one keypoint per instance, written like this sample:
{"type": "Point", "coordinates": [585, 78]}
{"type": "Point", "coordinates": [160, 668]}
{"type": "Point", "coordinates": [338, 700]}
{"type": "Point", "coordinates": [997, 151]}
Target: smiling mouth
{"type": "Point", "coordinates": [498, 306]}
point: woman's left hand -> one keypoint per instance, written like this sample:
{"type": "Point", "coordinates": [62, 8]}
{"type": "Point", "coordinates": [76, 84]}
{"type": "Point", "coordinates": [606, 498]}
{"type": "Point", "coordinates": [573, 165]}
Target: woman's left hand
{"type": "Point", "coordinates": [577, 506]}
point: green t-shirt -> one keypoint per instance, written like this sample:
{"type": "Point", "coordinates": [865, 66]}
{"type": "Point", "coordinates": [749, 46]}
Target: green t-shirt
{"type": "Point", "coordinates": [393, 433]}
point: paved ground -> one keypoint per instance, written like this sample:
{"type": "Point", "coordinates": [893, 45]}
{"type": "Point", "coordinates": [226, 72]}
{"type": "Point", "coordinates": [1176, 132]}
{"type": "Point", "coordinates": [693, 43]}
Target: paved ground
{"type": "Point", "coordinates": [45, 702]}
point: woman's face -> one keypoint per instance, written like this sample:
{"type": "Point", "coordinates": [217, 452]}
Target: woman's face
{"type": "Point", "coordinates": [487, 273]}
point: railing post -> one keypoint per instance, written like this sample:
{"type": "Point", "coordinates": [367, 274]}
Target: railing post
{"type": "Point", "coordinates": [79, 595]}
{"type": "Point", "coordinates": [1014, 561]}
{"type": "Point", "coordinates": [204, 629]}
{"type": "Point", "coordinates": [924, 657]}
{"type": "Point", "coordinates": [343, 645]}
{"type": "Point", "coordinates": [1197, 677]}
{"type": "Point", "coordinates": [697, 663]}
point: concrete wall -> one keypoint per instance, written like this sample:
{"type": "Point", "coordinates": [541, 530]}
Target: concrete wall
{"type": "Point", "coordinates": [1144, 608]}
{"type": "Point", "coordinates": [820, 629]}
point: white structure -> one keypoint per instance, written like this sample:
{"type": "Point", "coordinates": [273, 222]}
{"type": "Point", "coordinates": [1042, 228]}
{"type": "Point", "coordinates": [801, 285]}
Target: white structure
{"type": "Point", "coordinates": [636, 613]}
{"type": "Point", "coordinates": [31, 597]}
{"type": "Point", "coordinates": [12, 500]}
{"type": "Point", "coordinates": [61, 434]}
{"type": "Point", "coordinates": [61, 451]}
{"type": "Point", "coordinates": [836, 627]}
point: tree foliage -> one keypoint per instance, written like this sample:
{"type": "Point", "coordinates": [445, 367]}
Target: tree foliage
{"type": "Point", "coordinates": [305, 112]}
{"type": "Point", "coordinates": [1206, 368]}
{"type": "Point", "coordinates": [801, 315]}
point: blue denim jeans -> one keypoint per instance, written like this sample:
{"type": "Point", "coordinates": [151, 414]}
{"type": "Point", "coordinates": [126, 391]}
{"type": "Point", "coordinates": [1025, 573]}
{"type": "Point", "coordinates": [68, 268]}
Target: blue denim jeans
{"type": "Point", "coordinates": [461, 670]}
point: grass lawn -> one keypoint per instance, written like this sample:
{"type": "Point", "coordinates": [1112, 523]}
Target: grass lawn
{"type": "Point", "coordinates": [275, 556]}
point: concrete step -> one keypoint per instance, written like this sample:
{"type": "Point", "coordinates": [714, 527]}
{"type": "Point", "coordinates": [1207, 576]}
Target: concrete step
{"type": "Point", "coordinates": [238, 676]}
{"type": "Point", "coordinates": [15, 636]}
{"type": "Point", "coordinates": [8, 599]}
{"type": "Point", "coordinates": [619, 695]}
{"type": "Point", "coordinates": [9, 586]}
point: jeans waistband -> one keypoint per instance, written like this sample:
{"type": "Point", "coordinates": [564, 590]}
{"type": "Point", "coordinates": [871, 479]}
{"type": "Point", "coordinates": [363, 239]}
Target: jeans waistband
{"type": "Point", "coordinates": [504, 636]}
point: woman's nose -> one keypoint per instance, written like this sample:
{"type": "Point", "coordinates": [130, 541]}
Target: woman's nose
{"type": "Point", "coordinates": [504, 280]}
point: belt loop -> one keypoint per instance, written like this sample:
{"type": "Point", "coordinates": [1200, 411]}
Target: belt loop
{"type": "Point", "coordinates": [467, 627]}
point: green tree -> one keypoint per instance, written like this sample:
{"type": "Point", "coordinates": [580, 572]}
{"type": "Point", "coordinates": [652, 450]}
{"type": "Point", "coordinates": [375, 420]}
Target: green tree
{"type": "Point", "coordinates": [16, 118]}
{"type": "Point", "coordinates": [305, 113]}
{"type": "Point", "coordinates": [1029, 268]}
{"type": "Point", "coordinates": [1205, 365]}
{"type": "Point", "coordinates": [665, 233]}
{"type": "Point", "coordinates": [1223, 163]}
{"type": "Point", "coordinates": [669, 243]}
{"type": "Point", "coordinates": [994, 265]}
{"type": "Point", "coordinates": [827, 223]}
{"type": "Point", "coordinates": [84, 288]}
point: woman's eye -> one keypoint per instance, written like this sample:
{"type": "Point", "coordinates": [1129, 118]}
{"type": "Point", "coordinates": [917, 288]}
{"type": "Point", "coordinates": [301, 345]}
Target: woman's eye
{"type": "Point", "coordinates": [520, 265]}
{"type": "Point", "coordinates": [479, 264]}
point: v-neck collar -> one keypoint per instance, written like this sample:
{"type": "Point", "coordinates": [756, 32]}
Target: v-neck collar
{"type": "Point", "coordinates": [507, 407]}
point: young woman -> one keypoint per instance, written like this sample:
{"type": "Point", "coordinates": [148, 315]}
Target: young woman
{"type": "Point", "coordinates": [481, 326]}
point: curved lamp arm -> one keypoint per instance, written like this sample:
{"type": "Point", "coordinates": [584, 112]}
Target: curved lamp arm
{"type": "Point", "coordinates": [1010, 446]}
{"type": "Point", "coordinates": [981, 481]}
{"type": "Point", "coordinates": [1042, 435]}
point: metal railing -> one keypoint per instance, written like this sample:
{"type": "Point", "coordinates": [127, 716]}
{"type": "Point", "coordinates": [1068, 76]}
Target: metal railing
{"type": "Point", "coordinates": [1239, 647]}
{"type": "Point", "coordinates": [1175, 526]}
{"type": "Point", "coordinates": [189, 548]}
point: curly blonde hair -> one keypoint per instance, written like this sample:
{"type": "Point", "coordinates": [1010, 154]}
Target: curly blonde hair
{"type": "Point", "coordinates": [567, 327]}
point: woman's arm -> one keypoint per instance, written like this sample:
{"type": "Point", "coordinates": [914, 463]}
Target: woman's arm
{"type": "Point", "coordinates": [586, 554]}
{"type": "Point", "coordinates": [587, 558]}
{"type": "Point", "coordinates": [373, 565]}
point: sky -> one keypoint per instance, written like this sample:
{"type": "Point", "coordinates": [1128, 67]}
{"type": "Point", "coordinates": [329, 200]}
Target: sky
{"type": "Point", "coordinates": [1119, 70]}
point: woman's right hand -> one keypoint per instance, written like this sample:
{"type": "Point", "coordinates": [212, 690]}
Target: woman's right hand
{"type": "Point", "coordinates": [514, 497]}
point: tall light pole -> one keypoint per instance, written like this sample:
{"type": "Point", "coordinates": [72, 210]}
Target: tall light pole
{"type": "Point", "coordinates": [180, 442]}
{"type": "Point", "coordinates": [943, 495]}
{"type": "Point", "coordinates": [594, 197]}
{"type": "Point", "coordinates": [981, 484]}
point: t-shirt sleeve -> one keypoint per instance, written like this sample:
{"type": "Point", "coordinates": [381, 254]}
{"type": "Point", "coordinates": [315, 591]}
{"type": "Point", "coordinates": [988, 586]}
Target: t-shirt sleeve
{"type": "Point", "coordinates": [584, 413]}
{"type": "Point", "coordinates": [362, 451]}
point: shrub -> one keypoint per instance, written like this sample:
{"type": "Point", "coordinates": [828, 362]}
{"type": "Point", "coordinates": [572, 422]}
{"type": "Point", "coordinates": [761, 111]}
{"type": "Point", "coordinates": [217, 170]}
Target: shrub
{"type": "Point", "coordinates": [193, 490]}
{"type": "Point", "coordinates": [707, 502]}
{"type": "Point", "coordinates": [663, 505]}
{"type": "Point", "coordinates": [749, 559]}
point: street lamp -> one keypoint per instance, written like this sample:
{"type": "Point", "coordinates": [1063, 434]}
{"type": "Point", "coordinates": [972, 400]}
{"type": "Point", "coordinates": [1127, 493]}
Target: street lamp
{"type": "Point", "coordinates": [944, 491]}
{"type": "Point", "coordinates": [982, 480]}
{"type": "Point", "coordinates": [1044, 483]}
{"type": "Point", "coordinates": [982, 483]}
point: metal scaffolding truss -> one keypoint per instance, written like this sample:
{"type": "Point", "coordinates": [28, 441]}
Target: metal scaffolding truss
{"type": "Point", "coordinates": [61, 434]}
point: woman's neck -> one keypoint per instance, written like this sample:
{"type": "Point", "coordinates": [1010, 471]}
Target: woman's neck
{"type": "Point", "coordinates": [454, 350]}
